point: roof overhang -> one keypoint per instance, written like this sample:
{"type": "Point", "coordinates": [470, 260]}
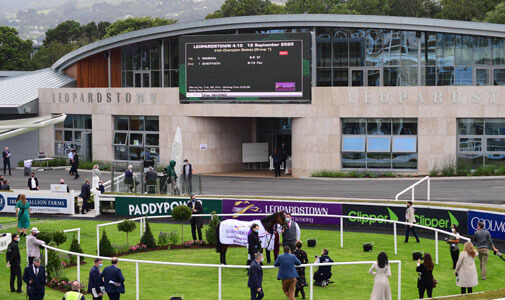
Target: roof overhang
{"type": "Point", "coordinates": [12, 128]}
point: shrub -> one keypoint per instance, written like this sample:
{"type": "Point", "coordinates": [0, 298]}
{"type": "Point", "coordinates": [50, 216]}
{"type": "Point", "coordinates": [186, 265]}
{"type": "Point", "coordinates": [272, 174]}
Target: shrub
{"type": "Point", "coordinates": [148, 238]}
{"type": "Point", "coordinates": [47, 237]}
{"type": "Point", "coordinates": [126, 226]}
{"type": "Point", "coordinates": [181, 213]}
{"type": "Point", "coordinates": [75, 247]}
{"type": "Point", "coordinates": [210, 232]}
{"type": "Point", "coordinates": [53, 267]}
{"type": "Point", "coordinates": [120, 248]}
{"type": "Point", "coordinates": [485, 171]}
{"type": "Point", "coordinates": [434, 171]}
{"type": "Point", "coordinates": [59, 237]}
{"type": "Point", "coordinates": [500, 170]}
{"type": "Point", "coordinates": [173, 237]}
{"type": "Point", "coordinates": [388, 174]}
{"type": "Point", "coordinates": [137, 248]}
{"type": "Point", "coordinates": [163, 239]}
{"type": "Point", "coordinates": [448, 170]}
{"type": "Point", "coordinates": [106, 246]}
{"type": "Point", "coordinates": [463, 172]}
{"type": "Point", "coordinates": [329, 173]}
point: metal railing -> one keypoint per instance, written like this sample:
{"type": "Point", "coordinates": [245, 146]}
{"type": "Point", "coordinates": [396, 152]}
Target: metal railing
{"type": "Point", "coordinates": [412, 188]}
{"type": "Point", "coordinates": [117, 180]}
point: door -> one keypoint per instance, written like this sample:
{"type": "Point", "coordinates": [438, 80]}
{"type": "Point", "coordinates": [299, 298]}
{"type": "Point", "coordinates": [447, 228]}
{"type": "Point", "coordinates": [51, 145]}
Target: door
{"type": "Point", "coordinates": [86, 151]}
{"type": "Point", "coordinates": [142, 79]}
{"type": "Point", "coordinates": [357, 77]}
{"type": "Point", "coordinates": [482, 76]}
{"type": "Point", "coordinates": [365, 76]}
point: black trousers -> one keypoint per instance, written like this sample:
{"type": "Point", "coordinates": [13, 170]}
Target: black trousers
{"type": "Point", "coordinates": [7, 162]}
{"type": "Point", "coordinates": [463, 290]}
{"type": "Point", "coordinates": [429, 291]}
{"type": "Point", "coordinates": [30, 260]}
{"type": "Point", "coordinates": [73, 170]}
{"type": "Point", "coordinates": [255, 295]}
{"type": "Point", "coordinates": [194, 227]}
{"type": "Point", "coordinates": [269, 258]}
{"type": "Point", "coordinates": [84, 206]}
{"type": "Point", "coordinates": [454, 256]}
{"type": "Point", "coordinates": [114, 296]}
{"type": "Point", "coordinates": [277, 168]}
{"type": "Point", "coordinates": [36, 296]}
{"type": "Point", "coordinates": [407, 230]}
{"type": "Point", "coordinates": [16, 272]}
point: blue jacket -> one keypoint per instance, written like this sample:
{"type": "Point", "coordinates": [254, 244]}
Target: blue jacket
{"type": "Point", "coordinates": [95, 282]}
{"type": "Point", "coordinates": [37, 286]}
{"type": "Point", "coordinates": [255, 275]}
{"type": "Point", "coordinates": [286, 263]}
{"type": "Point", "coordinates": [113, 273]}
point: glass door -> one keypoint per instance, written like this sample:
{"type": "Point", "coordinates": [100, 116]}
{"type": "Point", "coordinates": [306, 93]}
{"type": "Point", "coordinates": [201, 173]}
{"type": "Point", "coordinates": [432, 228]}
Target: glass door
{"type": "Point", "coordinates": [357, 77]}
{"type": "Point", "coordinates": [365, 76]}
{"type": "Point", "coordinates": [374, 77]}
{"type": "Point", "coordinates": [86, 151]}
{"type": "Point", "coordinates": [142, 79]}
{"type": "Point", "coordinates": [482, 76]}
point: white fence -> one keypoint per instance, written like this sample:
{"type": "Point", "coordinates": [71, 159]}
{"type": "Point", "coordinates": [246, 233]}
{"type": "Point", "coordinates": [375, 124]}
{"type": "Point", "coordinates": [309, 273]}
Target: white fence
{"type": "Point", "coordinates": [220, 267]}
{"type": "Point", "coordinates": [413, 189]}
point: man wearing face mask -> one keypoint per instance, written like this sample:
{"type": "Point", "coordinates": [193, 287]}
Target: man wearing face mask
{"type": "Point", "coordinates": [96, 287]}
{"type": "Point", "coordinates": [33, 182]}
{"type": "Point", "coordinates": [253, 243]}
{"type": "Point", "coordinates": [256, 278]}
{"type": "Point", "coordinates": [411, 219]}
{"type": "Point", "coordinates": [14, 262]}
{"type": "Point", "coordinates": [32, 244]}
{"type": "Point", "coordinates": [291, 234]}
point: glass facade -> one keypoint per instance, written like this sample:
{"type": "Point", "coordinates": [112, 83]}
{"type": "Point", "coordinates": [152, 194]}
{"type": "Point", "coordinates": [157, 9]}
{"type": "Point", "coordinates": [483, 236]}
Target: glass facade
{"type": "Point", "coordinates": [480, 142]}
{"type": "Point", "coordinates": [379, 144]}
{"type": "Point", "coordinates": [136, 138]}
{"type": "Point", "coordinates": [73, 133]}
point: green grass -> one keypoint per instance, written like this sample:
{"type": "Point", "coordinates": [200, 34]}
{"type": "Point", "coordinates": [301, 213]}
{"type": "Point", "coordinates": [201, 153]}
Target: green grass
{"type": "Point", "coordinates": [351, 282]}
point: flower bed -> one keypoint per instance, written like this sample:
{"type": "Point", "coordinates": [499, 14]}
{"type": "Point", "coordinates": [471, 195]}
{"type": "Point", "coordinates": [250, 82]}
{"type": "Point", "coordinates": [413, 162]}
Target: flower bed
{"type": "Point", "coordinates": [63, 285]}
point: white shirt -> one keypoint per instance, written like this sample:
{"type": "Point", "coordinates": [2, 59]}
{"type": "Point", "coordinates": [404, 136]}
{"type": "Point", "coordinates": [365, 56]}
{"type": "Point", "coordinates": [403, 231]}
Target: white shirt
{"type": "Point", "coordinates": [28, 163]}
{"type": "Point", "coordinates": [70, 155]}
{"type": "Point", "coordinates": [186, 170]}
{"type": "Point", "coordinates": [33, 184]}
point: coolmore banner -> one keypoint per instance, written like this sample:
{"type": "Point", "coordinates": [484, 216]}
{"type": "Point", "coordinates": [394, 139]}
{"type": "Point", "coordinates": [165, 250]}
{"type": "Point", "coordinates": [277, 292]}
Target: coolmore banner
{"type": "Point", "coordinates": [244, 207]}
{"type": "Point", "coordinates": [40, 203]}
{"type": "Point", "coordinates": [431, 217]}
{"type": "Point", "coordinates": [159, 206]}
{"type": "Point", "coordinates": [494, 223]}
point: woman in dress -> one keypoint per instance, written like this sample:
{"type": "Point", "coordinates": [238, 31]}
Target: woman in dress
{"type": "Point", "coordinates": [466, 272]}
{"type": "Point", "coordinates": [97, 176]}
{"type": "Point", "coordinates": [381, 270]}
{"type": "Point", "coordinates": [23, 214]}
{"type": "Point", "coordinates": [425, 280]}
{"type": "Point", "coordinates": [454, 245]}
{"type": "Point", "coordinates": [302, 257]}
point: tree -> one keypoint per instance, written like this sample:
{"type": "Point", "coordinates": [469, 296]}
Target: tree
{"type": "Point", "coordinates": [53, 267]}
{"type": "Point", "coordinates": [310, 6]}
{"type": "Point", "coordinates": [65, 33]}
{"type": "Point", "coordinates": [126, 226]}
{"type": "Point", "coordinates": [50, 53]}
{"type": "Point", "coordinates": [132, 24]}
{"type": "Point", "coordinates": [210, 232]}
{"type": "Point", "coordinates": [370, 7]}
{"type": "Point", "coordinates": [59, 237]}
{"type": "Point", "coordinates": [233, 8]}
{"type": "Point", "coordinates": [148, 238]}
{"type": "Point", "coordinates": [14, 52]}
{"type": "Point", "coordinates": [181, 213]}
{"type": "Point", "coordinates": [467, 10]}
{"type": "Point", "coordinates": [75, 247]}
{"type": "Point", "coordinates": [497, 15]}
{"type": "Point", "coordinates": [106, 248]}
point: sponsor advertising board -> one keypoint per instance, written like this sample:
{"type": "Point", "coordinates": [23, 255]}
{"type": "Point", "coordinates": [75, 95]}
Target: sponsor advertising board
{"type": "Point", "coordinates": [431, 217]}
{"type": "Point", "coordinates": [244, 207]}
{"type": "Point", "coordinates": [159, 206]}
{"type": "Point", "coordinates": [493, 222]}
{"type": "Point", "coordinates": [40, 203]}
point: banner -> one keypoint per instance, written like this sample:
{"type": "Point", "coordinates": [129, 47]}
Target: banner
{"type": "Point", "coordinates": [159, 206]}
{"type": "Point", "coordinates": [431, 217]}
{"type": "Point", "coordinates": [244, 207]}
{"type": "Point", "coordinates": [493, 222]}
{"type": "Point", "coordinates": [40, 203]}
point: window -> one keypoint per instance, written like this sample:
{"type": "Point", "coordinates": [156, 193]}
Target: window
{"type": "Point", "coordinates": [73, 133]}
{"type": "Point", "coordinates": [379, 144]}
{"type": "Point", "coordinates": [136, 138]}
{"type": "Point", "coordinates": [141, 64]}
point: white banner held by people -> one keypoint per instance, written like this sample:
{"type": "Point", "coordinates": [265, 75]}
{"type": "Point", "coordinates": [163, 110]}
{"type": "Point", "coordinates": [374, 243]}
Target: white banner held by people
{"type": "Point", "coordinates": [234, 232]}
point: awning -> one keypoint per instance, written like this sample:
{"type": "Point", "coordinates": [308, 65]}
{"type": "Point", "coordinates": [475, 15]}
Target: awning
{"type": "Point", "coordinates": [12, 128]}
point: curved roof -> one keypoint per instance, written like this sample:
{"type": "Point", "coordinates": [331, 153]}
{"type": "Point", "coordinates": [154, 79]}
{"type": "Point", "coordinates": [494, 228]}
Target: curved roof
{"type": "Point", "coordinates": [281, 21]}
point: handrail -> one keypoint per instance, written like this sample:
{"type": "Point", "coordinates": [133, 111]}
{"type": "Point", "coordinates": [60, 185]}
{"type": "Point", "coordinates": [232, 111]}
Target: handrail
{"type": "Point", "coordinates": [412, 187]}
{"type": "Point", "coordinates": [107, 185]}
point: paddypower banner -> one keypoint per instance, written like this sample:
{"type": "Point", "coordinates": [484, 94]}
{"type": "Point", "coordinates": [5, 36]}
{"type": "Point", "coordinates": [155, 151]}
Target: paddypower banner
{"type": "Point", "coordinates": [431, 217]}
{"type": "Point", "coordinates": [159, 206]}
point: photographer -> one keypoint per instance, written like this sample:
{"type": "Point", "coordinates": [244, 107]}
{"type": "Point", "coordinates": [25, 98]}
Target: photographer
{"type": "Point", "coordinates": [323, 273]}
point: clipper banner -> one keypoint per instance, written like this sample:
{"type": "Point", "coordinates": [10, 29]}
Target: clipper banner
{"type": "Point", "coordinates": [159, 206]}
{"type": "Point", "coordinates": [431, 217]}
{"type": "Point", "coordinates": [245, 207]}
{"type": "Point", "coordinates": [494, 223]}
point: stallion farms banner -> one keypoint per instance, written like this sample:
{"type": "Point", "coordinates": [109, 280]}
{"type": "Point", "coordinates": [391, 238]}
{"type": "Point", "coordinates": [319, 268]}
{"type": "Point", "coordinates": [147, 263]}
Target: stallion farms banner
{"type": "Point", "coordinates": [40, 203]}
{"type": "Point", "coordinates": [159, 206]}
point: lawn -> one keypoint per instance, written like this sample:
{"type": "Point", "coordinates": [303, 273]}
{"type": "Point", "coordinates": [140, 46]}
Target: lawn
{"type": "Point", "coordinates": [351, 282]}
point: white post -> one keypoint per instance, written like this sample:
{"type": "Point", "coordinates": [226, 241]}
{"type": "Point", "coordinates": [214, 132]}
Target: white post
{"type": "Point", "coordinates": [97, 203]}
{"type": "Point", "coordinates": [137, 280]}
{"type": "Point", "coordinates": [141, 220]}
{"type": "Point", "coordinates": [97, 240]}
{"type": "Point", "coordinates": [429, 188]}
{"type": "Point", "coordinates": [436, 247]}
{"type": "Point", "coordinates": [394, 235]}
{"type": "Point", "coordinates": [79, 268]}
{"type": "Point", "coordinates": [413, 191]}
{"type": "Point", "coordinates": [72, 200]}
{"type": "Point", "coordinates": [79, 236]}
{"type": "Point", "coordinates": [219, 289]}
{"type": "Point", "coordinates": [311, 282]}
{"type": "Point", "coordinates": [45, 256]}
{"type": "Point", "coordinates": [399, 280]}
{"type": "Point", "coordinates": [341, 232]}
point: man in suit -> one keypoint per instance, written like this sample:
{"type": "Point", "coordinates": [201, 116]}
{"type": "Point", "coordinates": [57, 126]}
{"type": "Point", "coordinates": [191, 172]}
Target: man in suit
{"type": "Point", "coordinates": [75, 293]}
{"type": "Point", "coordinates": [96, 287]}
{"type": "Point", "coordinates": [6, 155]}
{"type": "Point", "coordinates": [256, 278]}
{"type": "Point", "coordinates": [253, 243]}
{"type": "Point", "coordinates": [85, 194]}
{"type": "Point", "coordinates": [113, 280]}
{"type": "Point", "coordinates": [33, 182]}
{"type": "Point", "coordinates": [187, 174]}
{"type": "Point", "coordinates": [196, 222]}
{"type": "Point", "coordinates": [291, 234]}
{"type": "Point", "coordinates": [411, 219]}
{"type": "Point", "coordinates": [35, 279]}
{"type": "Point", "coordinates": [75, 164]}
{"type": "Point", "coordinates": [287, 272]}
{"type": "Point", "coordinates": [33, 244]}
{"type": "Point", "coordinates": [13, 258]}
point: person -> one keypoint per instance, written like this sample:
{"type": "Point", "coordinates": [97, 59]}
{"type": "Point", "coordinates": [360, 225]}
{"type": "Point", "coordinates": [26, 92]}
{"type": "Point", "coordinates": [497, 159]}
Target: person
{"type": "Point", "coordinates": [23, 211]}
{"type": "Point", "coordinates": [129, 178]}
{"type": "Point", "coordinates": [382, 271]}
{"type": "Point", "coordinates": [323, 274]}
{"type": "Point", "coordinates": [273, 243]}
{"type": "Point", "coordinates": [466, 272]}
{"type": "Point", "coordinates": [113, 280]}
{"type": "Point", "coordinates": [284, 154]}
{"type": "Point", "coordinates": [33, 244]}
{"type": "Point", "coordinates": [453, 242]}
{"type": "Point", "coordinates": [85, 195]}
{"type": "Point", "coordinates": [483, 241]}
{"type": "Point", "coordinates": [100, 187]}
{"type": "Point", "coordinates": [196, 222]}
{"type": "Point", "coordinates": [425, 279]}
{"type": "Point", "coordinates": [287, 272]}
{"type": "Point", "coordinates": [97, 175]}
{"type": "Point", "coordinates": [2, 181]}
{"type": "Point", "coordinates": [150, 180]}
{"type": "Point", "coordinates": [75, 293]}
{"type": "Point", "coordinates": [300, 281]}
{"type": "Point", "coordinates": [5, 186]}
{"type": "Point", "coordinates": [35, 278]}
{"type": "Point", "coordinates": [33, 182]}
{"type": "Point", "coordinates": [62, 181]}
{"type": "Point", "coordinates": [27, 167]}
{"type": "Point", "coordinates": [256, 278]}
{"type": "Point", "coordinates": [187, 175]}
{"type": "Point", "coordinates": [277, 158]}
{"type": "Point", "coordinates": [13, 258]}
{"type": "Point", "coordinates": [172, 177]}
{"type": "Point", "coordinates": [75, 164]}
{"type": "Point", "coordinates": [71, 161]}
{"type": "Point", "coordinates": [96, 287]}
{"type": "Point", "coordinates": [291, 234]}
{"type": "Point", "coordinates": [6, 155]}
{"type": "Point", "coordinates": [253, 243]}
{"type": "Point", "coordinates": [411, 219]}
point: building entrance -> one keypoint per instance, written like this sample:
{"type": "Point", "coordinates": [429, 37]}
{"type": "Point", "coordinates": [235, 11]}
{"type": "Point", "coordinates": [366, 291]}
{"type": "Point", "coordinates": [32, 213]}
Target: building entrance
{"type": "Point", "coordinates": [277, 133]}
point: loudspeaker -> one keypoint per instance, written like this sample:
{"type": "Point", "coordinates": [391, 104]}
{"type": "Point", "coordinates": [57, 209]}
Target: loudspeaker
{"type": "Point", "coordinates": [311, 242]}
